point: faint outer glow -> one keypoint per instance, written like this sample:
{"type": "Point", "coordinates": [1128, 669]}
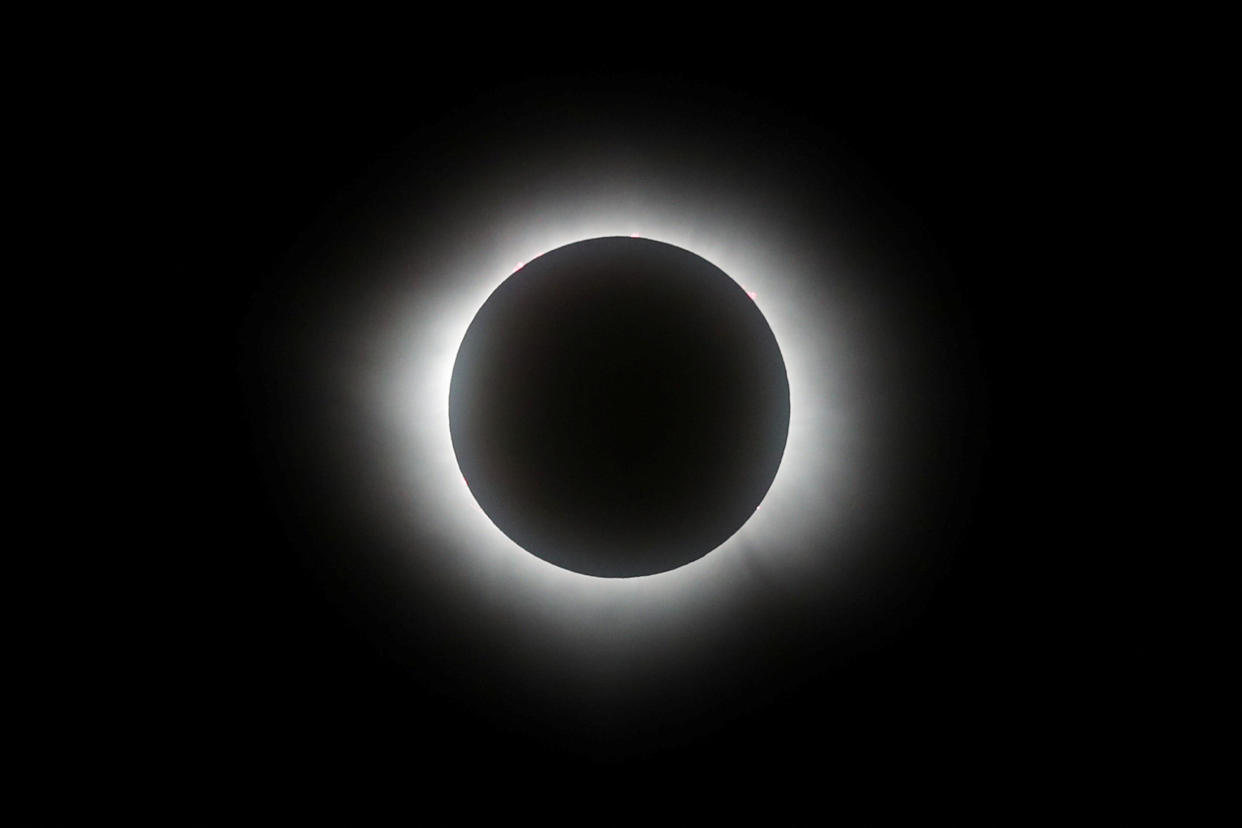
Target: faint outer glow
{"type": "Point", "coordinates": [387, 306]}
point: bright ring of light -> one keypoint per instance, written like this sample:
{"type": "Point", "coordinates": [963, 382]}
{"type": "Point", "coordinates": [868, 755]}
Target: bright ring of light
{"type": "Point", "coordinates": [387, 352]}
{"type": "Point", "coordinates": [824, 435]}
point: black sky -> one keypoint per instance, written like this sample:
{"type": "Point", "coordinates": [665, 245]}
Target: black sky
{"type": "Point", "coordinates": [1023, 639]}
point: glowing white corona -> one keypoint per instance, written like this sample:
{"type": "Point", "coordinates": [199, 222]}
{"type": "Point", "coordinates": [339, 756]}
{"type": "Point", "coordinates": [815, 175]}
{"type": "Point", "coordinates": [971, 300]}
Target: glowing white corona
{"type": "Point", "coordinates": [806, 501]}
{"type": "Point", "coordinates": [373, 324]}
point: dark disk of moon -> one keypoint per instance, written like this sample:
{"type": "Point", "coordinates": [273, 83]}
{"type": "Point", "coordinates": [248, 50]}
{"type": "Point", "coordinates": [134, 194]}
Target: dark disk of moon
{"type": "Point", "coordinates": [619, 407]}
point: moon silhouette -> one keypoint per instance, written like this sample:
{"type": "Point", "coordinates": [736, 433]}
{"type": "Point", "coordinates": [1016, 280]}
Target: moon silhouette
{"type": "Point", "coordinates": [619, 407]}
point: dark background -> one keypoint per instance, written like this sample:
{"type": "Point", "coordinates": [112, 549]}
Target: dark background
{"type": "Point", "coordinates": [1031, 653]}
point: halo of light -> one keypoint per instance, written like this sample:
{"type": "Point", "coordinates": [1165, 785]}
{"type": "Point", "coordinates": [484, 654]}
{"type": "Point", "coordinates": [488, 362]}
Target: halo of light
{"type": "Point", "coordinates": [855, 349]}
{"type": "Point", "coordinates": [822, 449]}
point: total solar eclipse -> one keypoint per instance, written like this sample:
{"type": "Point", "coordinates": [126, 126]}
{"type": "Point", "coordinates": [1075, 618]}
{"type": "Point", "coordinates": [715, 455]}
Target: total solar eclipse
{"type": "Point", "coordinates": [628, 425]}
{"type": "Point", "coordinates": [619, 407]}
